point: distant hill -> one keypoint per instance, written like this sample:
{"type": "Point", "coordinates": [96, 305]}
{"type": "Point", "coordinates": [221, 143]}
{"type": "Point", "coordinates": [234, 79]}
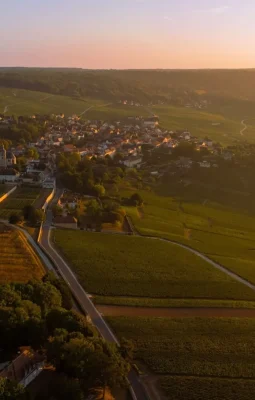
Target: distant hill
{"type": "Point", "coordinates": [142, 85]}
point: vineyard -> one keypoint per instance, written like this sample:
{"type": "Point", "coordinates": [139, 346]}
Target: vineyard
{"type": "Point", "coordinates": [17, 200]}
{"type": "Point", "coordinates": [138, 267]}
{"type": "Point", "coordinates": [194, 358]}
{"type": "Point", "coordinates": [18, 262]}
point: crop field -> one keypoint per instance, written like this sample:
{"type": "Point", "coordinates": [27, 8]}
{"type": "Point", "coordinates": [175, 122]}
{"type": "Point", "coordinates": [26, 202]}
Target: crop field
{"type": "Point", "coordinates": [25, 102]}
{"type": "Point", "coordinates": [18, 199]}
{"type": "Point", "coordinates": [18, 262]}
{"type": "Point", "coordinates": [225, 235]}
{"type": "Point", "coordinates": [194, 358]}
{"type": "Point", "coordinates": [138, 267]}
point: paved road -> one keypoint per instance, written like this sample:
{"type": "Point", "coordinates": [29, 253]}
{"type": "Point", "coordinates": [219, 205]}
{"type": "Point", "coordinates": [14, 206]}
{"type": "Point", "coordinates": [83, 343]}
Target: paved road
{"type": "Point", "coordinates": [83, 299]}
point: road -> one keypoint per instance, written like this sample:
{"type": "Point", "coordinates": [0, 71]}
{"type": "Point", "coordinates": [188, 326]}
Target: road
{"type": "Point", "coordinates": [83, 299]}
{"type": "Point", "coordinates": [244, 127]}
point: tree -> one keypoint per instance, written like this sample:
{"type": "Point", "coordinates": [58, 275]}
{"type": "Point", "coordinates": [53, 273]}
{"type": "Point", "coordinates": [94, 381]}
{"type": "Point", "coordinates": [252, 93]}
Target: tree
{"type": "Point", "coordinates": [136, 199]}
{"type": "Point", "coordinates": [46, 296]}
{"type": "Point", "coordinates": [93, 208]}
{"type": "Point", "coordinates": [32, 215]}
{"type": "Point", "coordinates": [15, 219]}
{"type": "Point", "coordinates": [99, 190]}
{"type": "Point", "coordinates": [12, 390]}
{"type": "Point", "coordinates": [94, 362]}
{"type": "Point", "coordinates": [32, 153]}
{"type": "Point", "coordinates": [61, 285]}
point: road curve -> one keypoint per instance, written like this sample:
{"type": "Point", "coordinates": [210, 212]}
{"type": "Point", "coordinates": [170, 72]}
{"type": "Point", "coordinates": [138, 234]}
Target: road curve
{"type": "Point", "coordinates": [244, 127]}
{"type": "Point", "coordinates": [136, 388]}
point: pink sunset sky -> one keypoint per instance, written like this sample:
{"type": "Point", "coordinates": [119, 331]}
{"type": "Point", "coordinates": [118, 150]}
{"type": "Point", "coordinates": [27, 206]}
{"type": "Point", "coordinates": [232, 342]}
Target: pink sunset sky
{"type": "Point", "coordinates": [128, 33]}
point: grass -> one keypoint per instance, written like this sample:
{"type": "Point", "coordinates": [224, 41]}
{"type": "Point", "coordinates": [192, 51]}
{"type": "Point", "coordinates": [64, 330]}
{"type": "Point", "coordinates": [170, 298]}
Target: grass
{"type": "Point", "coordinates": [139, 267]}
{"type": "Point", "coordinates": [18, 262]}
{"type": "Point", "coordinates": [171, 303]}
{"type": "Point", "coordinates": [18, 199]}
{"type": "Point", "coordinates": [184, 351]}
{"type": "Point", "coordinates": [3, 189]}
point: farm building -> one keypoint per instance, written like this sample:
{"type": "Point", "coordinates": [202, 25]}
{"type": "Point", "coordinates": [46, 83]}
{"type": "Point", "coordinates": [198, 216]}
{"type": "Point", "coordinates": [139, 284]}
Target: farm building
{"type": "Point", "coordinates": [67, 221]}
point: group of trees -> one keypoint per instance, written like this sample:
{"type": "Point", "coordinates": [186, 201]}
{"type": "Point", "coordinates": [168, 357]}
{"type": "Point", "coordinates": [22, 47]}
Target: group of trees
{"type": "Point", "coordinates": [40, 314]}
{"type": "Point", "coordinates": [22, 131]}
{"type": "Point", "coordinates": [88, 176]}
{"type": "Point", "coordinates": [30, 214]}
{"type": "Point", "coordinates": [140, 85]}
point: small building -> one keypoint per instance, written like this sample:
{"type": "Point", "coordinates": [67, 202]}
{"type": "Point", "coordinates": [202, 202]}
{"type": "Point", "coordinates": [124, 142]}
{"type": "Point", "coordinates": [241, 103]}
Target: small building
{"type": "Point", "coordinates": [25, 368]}
{"type": "Point", "coordinates": [9, 175]}
{"type": "Point", "coordinates": [133, 162]}
{"type": "Point", "coordinates": [68, 222]}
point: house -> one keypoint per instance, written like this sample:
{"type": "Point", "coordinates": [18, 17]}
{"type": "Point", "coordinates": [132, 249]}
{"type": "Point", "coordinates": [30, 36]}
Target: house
{"type": "Point", "coordinates": [151, 122]}
{"type": "Point", "coordinates": [205, 164]}
{"type": "Point", "coordinates": [133, 161]}
{"type": "Point", "coordinates": [24, 368]}
{"type": "Point", "coordinates": [69, 148]}
{"type": "Point", "coordinates": [9, 175]}
{"type": "Point", "coordinates": [67, 221]}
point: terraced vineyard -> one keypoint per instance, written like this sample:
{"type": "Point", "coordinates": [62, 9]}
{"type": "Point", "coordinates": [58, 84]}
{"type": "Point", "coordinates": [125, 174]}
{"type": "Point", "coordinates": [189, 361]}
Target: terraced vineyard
{"type": "Point", "coordinates": [18, 262]}
{"type": "Point", "coordinates": [18, 199]}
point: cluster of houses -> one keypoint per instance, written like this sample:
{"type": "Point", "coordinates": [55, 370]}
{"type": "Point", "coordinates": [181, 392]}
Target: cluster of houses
{"type": "Point", "coordinates": [99, 139]}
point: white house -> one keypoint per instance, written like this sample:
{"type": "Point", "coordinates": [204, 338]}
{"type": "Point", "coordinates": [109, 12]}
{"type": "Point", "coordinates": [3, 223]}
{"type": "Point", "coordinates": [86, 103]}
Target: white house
{"type": "Point", "coordinates": [9, 175]}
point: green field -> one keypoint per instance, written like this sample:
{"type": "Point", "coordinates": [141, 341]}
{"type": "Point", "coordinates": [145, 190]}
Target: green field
{"type": "Point", "coordinates": [18, 200]}
{"type": "Point", "coordinates": [195, 358]}
{"type": "Point", "coordinates": [222, 233]}
{"type": "Point", "coordinates": [25, 102]}
{"type": "Point", "coordinates": [200, 123]}
{"type": "Point", "coordinates": [138, 267]}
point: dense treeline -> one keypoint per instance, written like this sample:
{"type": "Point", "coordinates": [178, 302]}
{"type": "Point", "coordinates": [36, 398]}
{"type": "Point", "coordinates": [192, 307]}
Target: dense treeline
{"type": "Point", "coordinates": [131, 84]}
{"type": "Point", "coordinates": [39, 314]}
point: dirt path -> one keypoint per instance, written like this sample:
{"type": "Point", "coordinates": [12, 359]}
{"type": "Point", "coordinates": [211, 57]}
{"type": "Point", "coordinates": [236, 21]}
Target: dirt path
{"type": "Point", "coordinates": [119, 311]}
{"type": "Point", "coordinates": [244, 127]}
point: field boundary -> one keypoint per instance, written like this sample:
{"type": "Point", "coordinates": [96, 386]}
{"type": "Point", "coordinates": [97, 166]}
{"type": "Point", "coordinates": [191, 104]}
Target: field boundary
{"type": "Point", "coordinates": [7, 194]}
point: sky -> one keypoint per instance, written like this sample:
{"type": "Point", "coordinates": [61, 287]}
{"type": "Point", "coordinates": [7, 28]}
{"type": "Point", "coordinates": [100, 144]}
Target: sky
{"type": "Point", "coordinates": [128, 34]}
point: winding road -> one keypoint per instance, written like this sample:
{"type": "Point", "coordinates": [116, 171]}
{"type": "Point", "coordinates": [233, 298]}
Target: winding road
{"type": "Point", "coordinates": [244, 127]}
{"type": "Point", "coordinates": [136, 387]}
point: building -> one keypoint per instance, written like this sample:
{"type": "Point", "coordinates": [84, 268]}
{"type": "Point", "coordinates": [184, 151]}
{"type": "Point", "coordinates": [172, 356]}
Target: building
{"type": "Point", "coordinates": [67, 221]}
{"type": "Point", "coordinates": [25, 368]}
{"type": "Point", "coordinates": [133, 161]}
{"type": "Point", "coordinates": [9, 175]}
{"type": "Point", "coordinates": [151, 122]}
{"type": "Point", "coordinates": [7, 158]}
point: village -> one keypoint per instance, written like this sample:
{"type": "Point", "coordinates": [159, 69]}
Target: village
{"type": "Point", "coordinates": [127, 140]}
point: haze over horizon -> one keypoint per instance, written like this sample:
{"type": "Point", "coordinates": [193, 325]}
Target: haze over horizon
{"type": "Point", "coordinates": [128, 34]}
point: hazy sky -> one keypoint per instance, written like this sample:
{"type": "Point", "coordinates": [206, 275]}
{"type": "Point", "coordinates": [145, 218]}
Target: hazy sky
{"type": "Point", "coordinates": [128, 33]}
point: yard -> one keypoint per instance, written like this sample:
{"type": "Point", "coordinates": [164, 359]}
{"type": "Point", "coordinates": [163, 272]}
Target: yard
{"type": "Point", "coordinates": [194, 358]}
{"type": "Point", "coordinates": [129, 266]}
{"type": "Point", "coordinates": [18, 262]}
